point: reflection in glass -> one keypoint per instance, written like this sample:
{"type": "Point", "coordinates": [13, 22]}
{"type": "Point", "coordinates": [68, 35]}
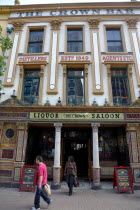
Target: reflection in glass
{"type": "Point", "coordinates": [74, 40]}
{"type": "Point", "coordinates": [31, 87]}
{"type": "Point", "coordinates": [120, 86]}
{"type": "Point", "coordinates": [75, 86]}
{"type": "Point", "coordinates": [114, 40]}
{"type": "Point", "coordinates": [35, 41]}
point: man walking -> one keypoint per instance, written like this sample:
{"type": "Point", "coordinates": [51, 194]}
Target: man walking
{"type": "Point", "coordinates": [42, 178]}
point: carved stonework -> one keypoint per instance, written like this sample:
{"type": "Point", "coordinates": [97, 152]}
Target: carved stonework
{"type": "Point", "coordinates": [94, 23]}
{"type": "Point", "coordinates": [70, 105]}
{"type": "Point", "coordinates": [42, 71]}
{"type": "Point", "coordinates": [132, 127]}
{"type": "Point", "coordinates": [82, 105]}
{"type": "Point", "coordinates": [1, 125]}
{"type": "Point", "coordinates": [17, 2]}
{"type": "Point", "coordinates": [22, 126]}
{"type": "Point", "coordinates": [5, 140]}
{"type": "Point", "coordinates": [118, 105]}
{"type": "Point", "coordinates": [55, 24]}
{"type": "Point", "coordinates": [95, 127]}
{"type": "Point", "coordinates": [64, 70]}
{"type": "Point", "coordinates": [136, 103]}
{"type": "Point", "coordinates": [18, 25]}
{"type": "Point", "coordinates": [12, 102]}
{"type": "Point", "coordinates": [107, 105]}
{"type": "Point", "coordinates": [47, 104]}
{"type": "Point", "coordinates": [59, 105]}
{"type": "Point", "coordinates": [132, 23]}
{"type": "Point", "coordinates": [94, 104]}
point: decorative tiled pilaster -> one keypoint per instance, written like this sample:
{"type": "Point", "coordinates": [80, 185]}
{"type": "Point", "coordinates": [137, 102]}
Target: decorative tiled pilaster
{"type": "Point", "coordinates": [132, 141]}
{"type": "Point", "coordinates": [96, 167]}
{"type": "Point", "coordinates": [56, 167]}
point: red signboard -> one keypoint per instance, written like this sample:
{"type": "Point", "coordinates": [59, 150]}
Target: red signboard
{"type": "Point", "coordinates": [123, 179]}
{"type": "Point", "coordinates": [28, 178]}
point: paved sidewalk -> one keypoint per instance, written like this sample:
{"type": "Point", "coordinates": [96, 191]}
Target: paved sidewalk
{"type": "Point", "coordinates": [82, 199]}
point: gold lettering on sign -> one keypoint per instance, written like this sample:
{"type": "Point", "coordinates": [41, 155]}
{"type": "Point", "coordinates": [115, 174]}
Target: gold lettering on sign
{"type": "Point", "coordinates": [20, 145]}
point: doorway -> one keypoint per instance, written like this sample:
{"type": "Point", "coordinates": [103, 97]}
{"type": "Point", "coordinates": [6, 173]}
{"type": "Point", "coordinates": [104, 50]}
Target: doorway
{"type": "Point", "coordinates": [75, 143]}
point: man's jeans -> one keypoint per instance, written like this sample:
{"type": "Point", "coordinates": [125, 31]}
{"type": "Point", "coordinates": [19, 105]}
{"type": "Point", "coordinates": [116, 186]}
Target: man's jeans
{"type": "Point", "coordinates": [40, 192]}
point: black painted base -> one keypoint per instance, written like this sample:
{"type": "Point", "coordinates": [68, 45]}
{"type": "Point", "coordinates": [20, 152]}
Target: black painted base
{"type": "Point", "coordinates": [96, 186]}
{"type": "Point", "coordinates": [9, 185]}
{"type": "Point", "coordinates": [55, 186]}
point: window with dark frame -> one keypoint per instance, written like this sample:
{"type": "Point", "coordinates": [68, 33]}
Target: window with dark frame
{"type": "Point", "coordinates": [120, 86]}
{"type": "Point", "coordinates": [75, 86]}
{"type": "Point", "coordinates": [31, 86]}
{"type": "Point", "coordinates": [74, 40]}
{"type": "Point", "coordinates": [35, 42]}
{"type": "Point", "coordinates": [114, 40]}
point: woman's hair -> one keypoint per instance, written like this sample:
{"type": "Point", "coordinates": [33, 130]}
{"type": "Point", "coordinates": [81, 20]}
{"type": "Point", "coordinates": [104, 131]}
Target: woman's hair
{"type": "Point", "coordinates": [71, 158]}
{"type": "Point", "coordinates": [40, 158]}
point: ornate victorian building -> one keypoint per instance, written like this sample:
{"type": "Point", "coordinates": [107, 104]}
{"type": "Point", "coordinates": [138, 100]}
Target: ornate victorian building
{"type": "Point", "coordinates": [72, 87]}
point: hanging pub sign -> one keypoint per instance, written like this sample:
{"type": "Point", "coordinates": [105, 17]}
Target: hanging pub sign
{"type": "Point", "coordinates": [28, 178]}
{"type": "Point", "coordinates": [123, 179]}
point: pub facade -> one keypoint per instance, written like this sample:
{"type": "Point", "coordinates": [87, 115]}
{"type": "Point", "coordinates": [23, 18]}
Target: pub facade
{"type": "Point", "coordinates": [72, 87]}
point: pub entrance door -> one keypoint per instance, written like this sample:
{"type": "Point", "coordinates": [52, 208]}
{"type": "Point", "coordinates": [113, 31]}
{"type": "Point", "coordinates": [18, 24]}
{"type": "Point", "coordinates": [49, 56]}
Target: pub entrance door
{"type": "Point", "coordinates": [76, 144]}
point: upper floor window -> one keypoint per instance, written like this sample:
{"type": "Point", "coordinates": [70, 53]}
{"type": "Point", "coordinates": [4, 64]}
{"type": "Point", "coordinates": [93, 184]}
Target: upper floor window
{"type": "Point", "coordinates": [31, 86]}
{"type": "Point", "coordinates": [35, 42]}
{"type": "Point", "coordinates": [75, 86]}
{"type": "Point", "coordinates": [114, 40]}
{"type": "Point", "coordinates": [120, 86]}
{"type": "Point", "coordinates": [74, 40]}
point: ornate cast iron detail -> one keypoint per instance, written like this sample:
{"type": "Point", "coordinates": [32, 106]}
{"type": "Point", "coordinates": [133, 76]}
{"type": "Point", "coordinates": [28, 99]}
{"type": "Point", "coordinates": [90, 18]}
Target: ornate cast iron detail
{"type": "Point", "coordinates": [132, 23]}
{"type": "Point", "coordinates": [94, 23]}
{"type": "Point", "coordinates": [55, 24]}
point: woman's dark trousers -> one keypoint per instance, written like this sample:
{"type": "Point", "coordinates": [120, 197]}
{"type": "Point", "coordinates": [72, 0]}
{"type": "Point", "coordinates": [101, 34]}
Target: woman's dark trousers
{"type": "Point", "coordinates": [70, 180]}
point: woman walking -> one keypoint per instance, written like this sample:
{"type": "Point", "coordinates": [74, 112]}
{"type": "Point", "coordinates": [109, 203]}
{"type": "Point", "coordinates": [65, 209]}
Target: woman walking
{"type": "Point", "coordinates": [70, 172]}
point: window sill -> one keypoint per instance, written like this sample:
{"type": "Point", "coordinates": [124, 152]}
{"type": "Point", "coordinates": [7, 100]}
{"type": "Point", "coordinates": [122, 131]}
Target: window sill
{"type": "Point", "coordinates": [28, 54]}
{"type": "Point", "coordinates": [116, 53]}
{"type": "Point", "coordinates": [74, 53]}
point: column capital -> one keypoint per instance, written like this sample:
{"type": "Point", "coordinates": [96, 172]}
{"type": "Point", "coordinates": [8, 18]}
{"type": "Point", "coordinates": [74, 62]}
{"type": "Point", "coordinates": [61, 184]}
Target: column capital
{"type": "Point", "coordinates": [22, 126]}
{"type": "Point", "coordinates": [132, 23]}
{"type": "Point", "coordinates": [18, 25]}
{"type": "Point", "coordinates": [94, 23]}
{"type": "Point", "coordinates": [42, 71]}
{"type": "Point", "coordinates": [1, 125]}
{"type": "Point", "coordinates": [132, 126]}
{"type": "Point", "coordinates": [95, 126]}
{"type": "Point", "coordinates": [58, 126]}
{"type": "Point", "coordinates": [55, 24]}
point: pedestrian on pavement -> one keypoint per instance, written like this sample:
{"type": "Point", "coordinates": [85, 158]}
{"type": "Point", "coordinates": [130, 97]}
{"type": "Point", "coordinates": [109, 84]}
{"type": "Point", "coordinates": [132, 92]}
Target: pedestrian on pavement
{"type": "Point", "coordinates": [42, 178]}
{"type": "Point", "coordinates": [70, 172]}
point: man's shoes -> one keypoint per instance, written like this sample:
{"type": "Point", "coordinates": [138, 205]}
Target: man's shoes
{"type": "Point", "coordinates": [70, 193]}
{"type": "Point", "coordinates": [33, 208]}
{"type": "Point", "coordinates": [49, 203]}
